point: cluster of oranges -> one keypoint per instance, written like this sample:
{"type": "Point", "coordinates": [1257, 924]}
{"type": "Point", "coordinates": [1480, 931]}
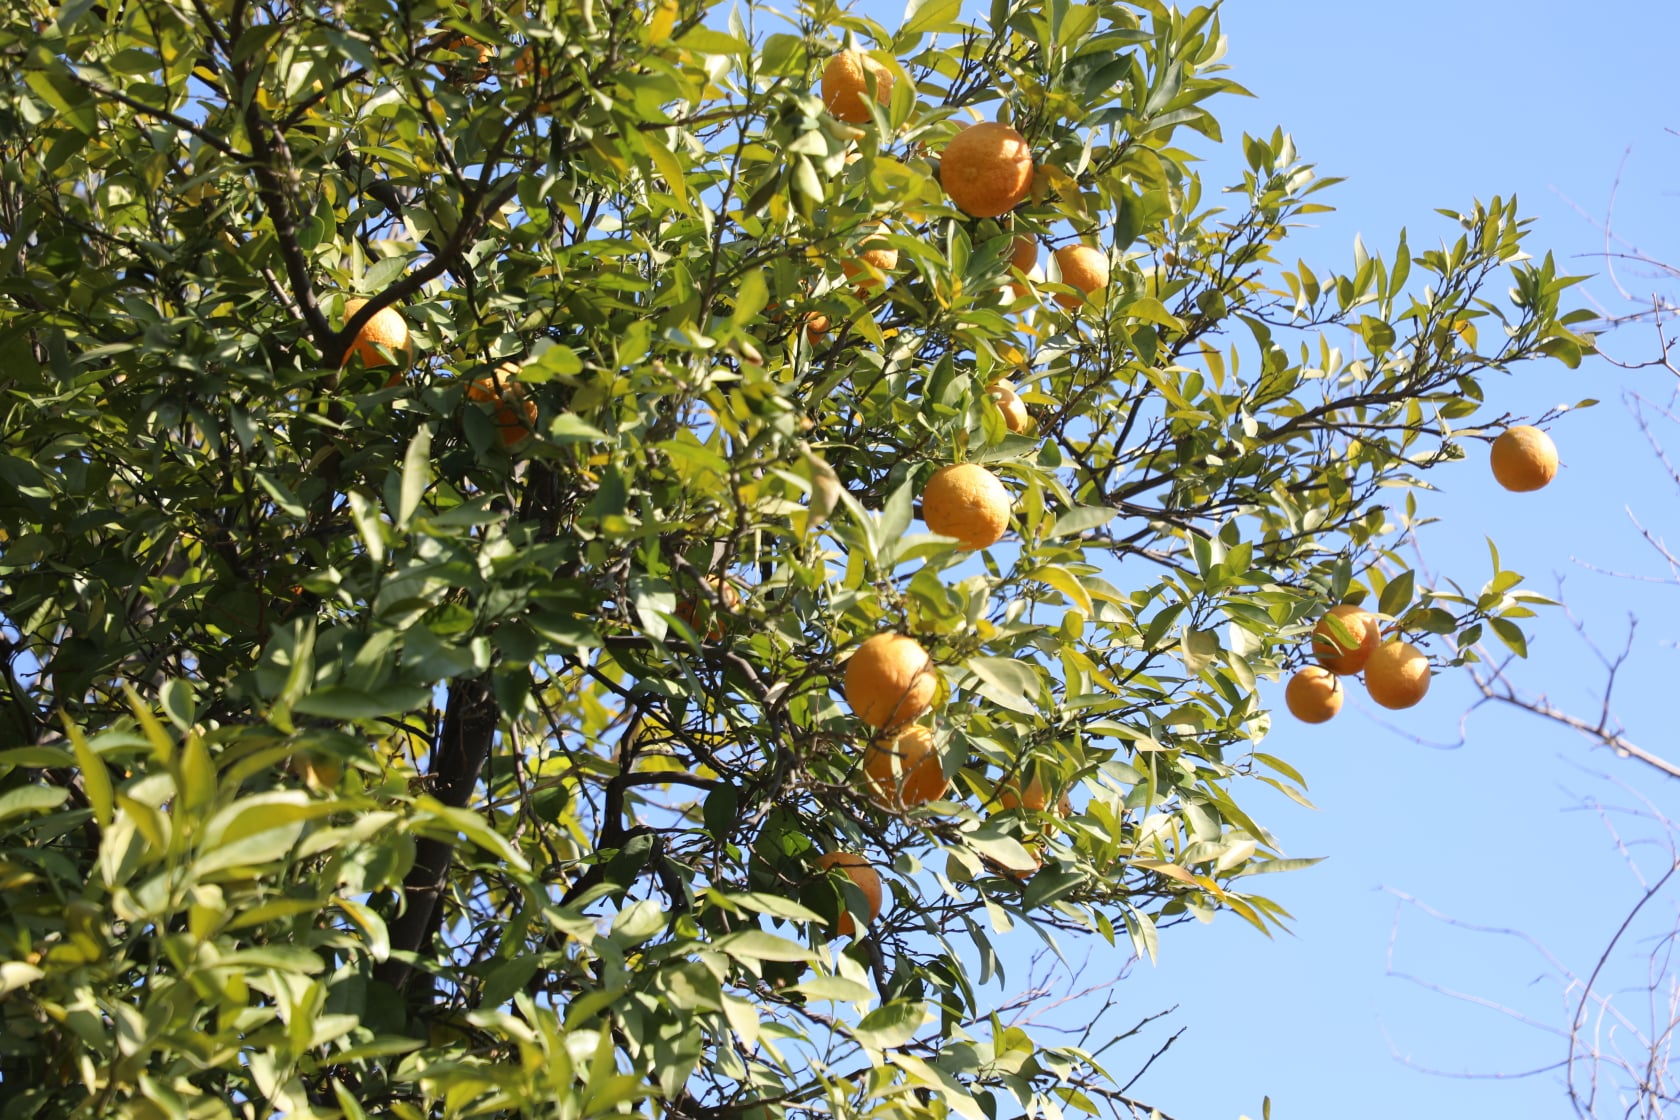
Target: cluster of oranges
{"type": "Point", "coordinates": [1348, 640]}
{"type": "Point", "coordinates": [384, 342]}
{"type": "Point", "coordinates": [986, 170]}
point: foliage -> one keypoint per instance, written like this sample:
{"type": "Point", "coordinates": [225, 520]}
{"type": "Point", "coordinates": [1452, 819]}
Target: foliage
{"type": "Point", "coordinates": [359, 757]}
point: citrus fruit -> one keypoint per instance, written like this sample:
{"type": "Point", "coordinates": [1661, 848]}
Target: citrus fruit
{"type": "Point", "coordinates": [816, 325]}
{"type": "Point", "coordinates": [890, 680]}
{"type": "Point", "coordinates": [464, 46]}
{"type": "Point", "coordinates": [529, 70]}
{"type": "Point", "coordinates": [516, 413]}
{"type": "Point", "coordinates": [1524, 458]}
{"type": "Point", "coordinates": [386, 328]}
{"type": "Point", "coordinates": [986, 169]}
{"type": "Point", "coordinates": [845, 87]}
{"type": "Point", "coordinates": [704, 607]}
{"type": "Point", "coordinates": [904, 771]}
{"type": "Point", "coordinates": [1015, 416]}
{"type": "Point", "coordinates": [1314, 694]}
{"type": "Point", "coordinates": [1397, 676]}
{"type": "Point", "coordinates": [966, 501]}
{"type": "Point", "coordinates": [1082, 267]}
{"type": "Point", "coordinates": [1337, 654]}
{"type": "Point", "coordinates": [875, 259]}
{"type": "Point", "coordinates": [1023, 255]}
{"type": "Point", "coordinates": [864, 876]}
{"type": "Point", "coordinates": [1033, 797]}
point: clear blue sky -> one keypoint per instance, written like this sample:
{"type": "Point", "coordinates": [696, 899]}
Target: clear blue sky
{"type": "Point", "coordinates": [1419, 105]}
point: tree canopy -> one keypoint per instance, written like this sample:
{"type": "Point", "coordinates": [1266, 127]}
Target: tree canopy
{"type": "Point", "coordinates": [450, 715]}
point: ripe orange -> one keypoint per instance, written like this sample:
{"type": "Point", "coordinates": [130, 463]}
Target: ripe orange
{"type": "Point", "coordinates": [816, 325]}
{"type": "Point", "coordinates": [874, 261]}
{"type": "Point", "coordinates": [529, 70]}
{"type": "Point", "coordinates": [867, 879]}
{"type": "Point", "coordinates": [704, 607]}
{"type": "Point", "coordinates": [1397, 676]}
{"type": "Point", "coordinates": [1335, 654]}
{"type": "Point", "coordinates": [516, 413]}
{"type": "Point", "coordinates": [386, 328]}
{"type": "Point", "coordinates": [1011, 795]}
{"type": "Point", "coordinates": [463, 45]}
{"type": "Point", "coordinates": [1314, 694]}
{"type": "Point", "coordinates": [845, 89]}
{"type": "Point", "coordinates": [1084, 268]}
{"type": "Point", "coordinates": [890, 680]}
{"type": "Point", "coordinates": [987, 169]}
{"type": "Point", "coordinates": [904, 771]}
{"type": "Point", "coordinates": [1023, 255]}
{"type": "Point", "coordinates": [966, 501]}
{"type": "Point", "coordinates": [1015, 416]}
{"type": "Point", "coordinates": [1524, 458]}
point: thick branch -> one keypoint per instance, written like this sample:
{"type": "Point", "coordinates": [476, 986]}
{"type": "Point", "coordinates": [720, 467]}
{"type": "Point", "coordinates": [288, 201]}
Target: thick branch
{"type": "Point", "coordinates": [469, 726]}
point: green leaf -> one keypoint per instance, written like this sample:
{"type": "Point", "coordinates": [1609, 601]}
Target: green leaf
{"type": "Point", "coordinates": [473, 827]}
{"type": "Point", "coordinates": [416, 475]}
{"type": "Point", "coordinates": [924, 16]}
{"type": "Point", "coordinates": [1511, 634]}
{"type": "Point", "coordinates": [1007, 683]}
{"type": "Point", "coordinates": [73, 102]}
{"type": "Point", "coordinates": [757, 945]}
{"type": "Point", "coordinates": [707, 41]}
{"type": "Point", "coordinates": [891, 1024]}
{"type": "Point", "coordinates": [96, 780]}
{"type": "Point", "coordinates": [1431, 620]}
{"type": "Point", "coordinates": [371, 924]}
{"type": "Point", "coordinates": [1080, 519]}
{"type": "Point", "coordinates": [995, 843]}
{"type": "Point", "coordinates": [836, 988]}
{"type": "Point", "coordinates": [27, 800]}
{"type": "Point", "coordinates": [340, 702]}
{"type": "Point", "coordinates": [1397, 596]}
{"type": "Point", "coordinates": [568, 428]}
{"type": "Point", "coordinates": [637, 922]}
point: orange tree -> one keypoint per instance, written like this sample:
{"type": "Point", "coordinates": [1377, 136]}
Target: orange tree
{"type": "Point", "coordinates": [432, 705]}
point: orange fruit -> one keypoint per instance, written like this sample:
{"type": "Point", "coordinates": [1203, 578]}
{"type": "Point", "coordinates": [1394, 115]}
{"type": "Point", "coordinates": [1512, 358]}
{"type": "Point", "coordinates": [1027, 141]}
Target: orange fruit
{"type": "Point", "coordinates": [463, 45]}
{"type": "Point", "coordinates": [867, 880]}
{"type": "Point", "coordinates": [1524, 458]}
{"type": "Point", "coordinates": [1034, 797]}
{"type": "Point", "coordinates": [817, 324]}
{"type": "Point", "coordinates": [986, 169]}
{"type": "Point", "coordinates": [904, 771]}
{"type": "Point", "coordinates": [529, 70]}
{"type": "Point", "coordinates": [890, 680]}
{"type": "Point", "coordinates": [1023, 255]}
{"type": "Point", "coordinates": [705, 607]}
{"type": "Point", "coordinates": [966, 501]}
{"type": "Point", "coordinates": [1082, 267]}
{"type": "Point", "coordinates": [875, 259]}
{"type": "Point", "coordinates": [1015, 416]}
{"type": "Point", "coordinates": [1023, 252]}
{"type": "Point", "coordinates": [1335, 654]}
{"type": "Point", "coordinates": [516, 413]}
{"type": "Point", "coordinates": [1397, 676]}
{"type": "Point", "coordinates": [386, 328]}
{"type": "Point", "coordinates": [845, 88]}
{"type": "Point", "coordinates": [1314, 694]}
